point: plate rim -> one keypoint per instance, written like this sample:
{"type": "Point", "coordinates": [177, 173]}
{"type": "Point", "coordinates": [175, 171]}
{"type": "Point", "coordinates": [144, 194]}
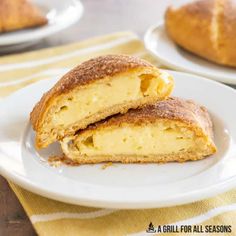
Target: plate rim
{"type": "Point", "coordinates": [55, 28]}
{"type": "Point", "coordinates": [170, 202]}
{"type": "Point", "coordinates": [185, 198]}
{"type": "Point", "coordinates": [179, 67]}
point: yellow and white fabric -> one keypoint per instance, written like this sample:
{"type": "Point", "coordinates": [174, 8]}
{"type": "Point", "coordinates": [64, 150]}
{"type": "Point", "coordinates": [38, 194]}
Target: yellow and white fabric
{"type": "Point", "coordinates": [51, 217]}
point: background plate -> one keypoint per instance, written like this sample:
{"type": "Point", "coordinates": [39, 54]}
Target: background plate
{"type": "Point", "coordinates": [160, 45]}
{"type": "Point", "coordinates": [121, 186]}
{"type": "Point", "coordinates": [60, 13]}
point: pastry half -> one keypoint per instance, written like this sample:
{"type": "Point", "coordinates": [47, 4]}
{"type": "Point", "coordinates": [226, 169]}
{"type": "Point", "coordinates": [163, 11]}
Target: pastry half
{"type": "Point", "coordinates": [206, 28]}
{"type": "Point", "coordinates": [94, 90]}
{"type": "Point", "coordinates": [170, 130]}
{"type": "Point", "coordinates": [19, 14]}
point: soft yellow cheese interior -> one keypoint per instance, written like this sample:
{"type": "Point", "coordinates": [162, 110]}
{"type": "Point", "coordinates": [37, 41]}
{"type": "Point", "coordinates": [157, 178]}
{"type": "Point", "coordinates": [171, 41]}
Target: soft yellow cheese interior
{"type": "Point", "coordinates": [137, 140]}
{"type": "Point", "coordinates": [104, 94]}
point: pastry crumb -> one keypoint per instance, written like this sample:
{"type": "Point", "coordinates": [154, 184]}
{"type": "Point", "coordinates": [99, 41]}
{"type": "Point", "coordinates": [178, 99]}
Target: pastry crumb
{"type": "Point", "coordinates": [108, 164]}
{"type": "Point", "coordinates": [57, 161]}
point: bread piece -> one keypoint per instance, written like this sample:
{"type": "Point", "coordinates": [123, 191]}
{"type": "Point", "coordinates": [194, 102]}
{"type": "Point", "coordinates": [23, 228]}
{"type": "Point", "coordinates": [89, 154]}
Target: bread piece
{"type": "Point", "coordinates": [170, 130]}
{"type": "Point", "coordinates": [206, 28]}
{"type": "Point", "coordinates": [94, 90]}
{"type": "Point", "coordinates": [19, 14]}
{"type": "Point", "coordinates": [227, 32]}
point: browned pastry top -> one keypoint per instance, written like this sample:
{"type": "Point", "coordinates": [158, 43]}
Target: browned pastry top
{"type": "Point", "coordinates": [200, 7]}
{"type": "Point", "coordinates": [173, 108]}
{"type": "Point", "coordinates": [98, 68]}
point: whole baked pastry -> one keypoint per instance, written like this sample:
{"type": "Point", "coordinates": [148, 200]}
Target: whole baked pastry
{"type": "Point", "coordinates": [169, 130]}
{"type": "Point", "coordinates": [94, 90]}
{"type": "Point", "coordinates": [19, 14]}
{"type": "Point", "coordinates": [206, 28]}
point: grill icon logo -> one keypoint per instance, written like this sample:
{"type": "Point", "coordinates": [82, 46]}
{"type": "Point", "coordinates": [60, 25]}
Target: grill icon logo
{"type": "Point", "coordinates": [151, 228]}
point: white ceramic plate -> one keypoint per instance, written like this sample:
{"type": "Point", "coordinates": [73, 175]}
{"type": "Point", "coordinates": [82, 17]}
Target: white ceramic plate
{"type": "Point", "coordinates": [60, 13]}
{"type": "Point", "coordinates": [121, 186]}
{"type": "Point", "coordinates": [160, 45]}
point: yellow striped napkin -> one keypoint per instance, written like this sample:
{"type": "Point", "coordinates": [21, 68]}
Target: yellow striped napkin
{"type": "Point", "coordinates": [51, 217]}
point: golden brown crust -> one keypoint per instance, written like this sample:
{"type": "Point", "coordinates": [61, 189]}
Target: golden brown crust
{"type": "Point", "coordinates": [177, 109]}
{"type": "Point", "coordinates": [227, 32]}
{"type": "Point", "coordinates": [19, 14]}
{"type": "Point", "coordinates": [98, 68]}
{"type": "Point", "coordinates": [206, 28]}
{"type": "Point", "coordinates": [129, 159]}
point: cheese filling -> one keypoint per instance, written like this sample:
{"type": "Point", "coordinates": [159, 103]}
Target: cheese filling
{"type": "Point", "coordinates": [151, 139]}
{"type": "Point", "coordinates": [101, 95]}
